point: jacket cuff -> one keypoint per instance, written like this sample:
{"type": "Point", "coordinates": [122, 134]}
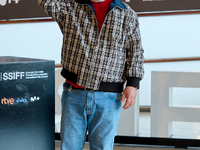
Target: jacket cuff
{"type": "Point", "coordinates": [133, 81]}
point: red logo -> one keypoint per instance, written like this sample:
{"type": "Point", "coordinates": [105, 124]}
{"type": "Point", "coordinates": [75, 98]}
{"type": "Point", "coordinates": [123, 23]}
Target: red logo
{"type": "Point", "coordinates": [10, 101]}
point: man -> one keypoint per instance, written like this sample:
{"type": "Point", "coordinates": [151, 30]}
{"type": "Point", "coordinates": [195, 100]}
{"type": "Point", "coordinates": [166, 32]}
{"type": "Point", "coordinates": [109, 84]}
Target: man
{"type": "Point", "coordinates": [101, 51]}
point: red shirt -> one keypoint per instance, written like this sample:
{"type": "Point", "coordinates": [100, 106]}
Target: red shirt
{"type": "Point", "coordinates": [101, 9]}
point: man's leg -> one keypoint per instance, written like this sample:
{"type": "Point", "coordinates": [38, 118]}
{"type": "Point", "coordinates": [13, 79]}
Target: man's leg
{"type": "Point", "coordinates": [103, 119]}
{"type": "Point", "coordinates": [74, 120]}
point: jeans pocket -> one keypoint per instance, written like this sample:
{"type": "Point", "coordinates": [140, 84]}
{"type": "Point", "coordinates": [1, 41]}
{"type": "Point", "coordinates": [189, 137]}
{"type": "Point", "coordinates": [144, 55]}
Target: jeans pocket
{"type": "Point", "coordinates": [114, 95]}
{"type": "Point", "coordinates": [66, 87]}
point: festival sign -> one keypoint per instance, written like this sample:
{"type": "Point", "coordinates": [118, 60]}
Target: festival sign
{"type": "Point", "coordinates": [29, 9]}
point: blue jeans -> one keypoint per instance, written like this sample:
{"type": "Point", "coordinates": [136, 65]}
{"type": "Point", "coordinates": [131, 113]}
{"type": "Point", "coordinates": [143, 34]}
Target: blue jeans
{"type": "Point", "coordinates": [85, 111]}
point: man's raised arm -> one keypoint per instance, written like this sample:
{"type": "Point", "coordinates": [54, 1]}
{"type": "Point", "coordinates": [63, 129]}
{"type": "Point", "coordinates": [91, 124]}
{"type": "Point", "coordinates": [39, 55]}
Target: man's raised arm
{"type": "Point", "coordinates": [52, 8]}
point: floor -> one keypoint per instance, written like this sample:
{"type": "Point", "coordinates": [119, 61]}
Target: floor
{"type": "Point", "coordinates": [134, 147]}
{"type": "Point", "coordinates": [180, 129]}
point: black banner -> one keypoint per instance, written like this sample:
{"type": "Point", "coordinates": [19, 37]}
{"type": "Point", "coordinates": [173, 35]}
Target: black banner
{"type": "Point", "coordinates": [20, 9]}
{"type": "Point", "coordinates": [159, 6]}
{"type": "Point", "coordinates": [24, 9]}
{"type": "Point", "coordinates": [27, 104]}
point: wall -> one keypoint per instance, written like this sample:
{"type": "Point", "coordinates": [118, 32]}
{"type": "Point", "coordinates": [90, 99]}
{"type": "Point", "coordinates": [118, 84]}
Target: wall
{"type": "Point", "coordinates": [170, 36]}
{"type": "Point", "coordinates": [37, 40]}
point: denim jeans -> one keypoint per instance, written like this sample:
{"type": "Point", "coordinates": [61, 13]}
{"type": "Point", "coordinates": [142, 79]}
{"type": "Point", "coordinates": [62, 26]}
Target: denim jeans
{"type": "Point", "coordinates": [92, 112]}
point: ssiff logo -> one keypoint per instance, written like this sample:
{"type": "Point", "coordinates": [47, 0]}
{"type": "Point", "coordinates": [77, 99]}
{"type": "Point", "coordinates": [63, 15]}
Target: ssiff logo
{"type": "Point", "coordinates": [4, 2]}
{"type": "Point", "coordinates": [11, 76]}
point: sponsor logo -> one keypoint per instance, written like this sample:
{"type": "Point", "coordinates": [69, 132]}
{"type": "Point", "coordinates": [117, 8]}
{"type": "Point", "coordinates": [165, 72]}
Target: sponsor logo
{"type": "Point", "coordinates": [17, 101]}
{"type": "Point", "coordinates": [7, 101]}
{"type": "Point", "coordinates": [35, 98]}
{"type": "Point", "coordinates": [5, 2]}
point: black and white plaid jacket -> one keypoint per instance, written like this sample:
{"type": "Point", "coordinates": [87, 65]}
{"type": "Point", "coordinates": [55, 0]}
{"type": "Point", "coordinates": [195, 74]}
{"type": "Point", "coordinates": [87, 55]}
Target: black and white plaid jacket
{"type": "Point", "coordinates": [98, 61]}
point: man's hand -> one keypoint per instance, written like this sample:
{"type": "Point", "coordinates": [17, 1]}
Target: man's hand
{"type": "Point", "coordinates": [130, 95]}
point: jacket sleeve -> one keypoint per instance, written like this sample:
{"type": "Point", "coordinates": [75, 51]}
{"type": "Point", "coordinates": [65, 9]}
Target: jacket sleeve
{"type": "Point", "coordinates": [134, 69]}
{"type": "Point", "coordinates": [54, 8]}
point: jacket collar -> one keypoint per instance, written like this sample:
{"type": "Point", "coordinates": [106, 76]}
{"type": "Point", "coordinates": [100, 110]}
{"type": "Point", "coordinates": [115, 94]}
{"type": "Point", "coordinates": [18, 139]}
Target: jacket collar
{"type": "Point", "coordinates": [115, 3]}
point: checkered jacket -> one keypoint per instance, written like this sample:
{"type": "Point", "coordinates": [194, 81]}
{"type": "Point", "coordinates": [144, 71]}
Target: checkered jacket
{"type": "Point", "coordinates": [90, 58]}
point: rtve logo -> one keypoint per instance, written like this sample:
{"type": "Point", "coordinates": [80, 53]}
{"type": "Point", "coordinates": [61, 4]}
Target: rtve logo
{"type": "Point", "coordinates": [7, 101]}
{"type": "Point", "coordinates": [4, 2]}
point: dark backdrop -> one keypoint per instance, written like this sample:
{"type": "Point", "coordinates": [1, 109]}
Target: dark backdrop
{"type": "Point", "coordinates": [30, 8]}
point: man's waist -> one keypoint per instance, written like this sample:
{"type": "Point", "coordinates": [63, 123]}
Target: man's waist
{"type": "Point", "coordinates": [104, 86]}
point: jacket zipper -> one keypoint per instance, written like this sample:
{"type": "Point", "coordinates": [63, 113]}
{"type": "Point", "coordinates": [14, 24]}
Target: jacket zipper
{"type": "Point", "coordinates": [98, 33]}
